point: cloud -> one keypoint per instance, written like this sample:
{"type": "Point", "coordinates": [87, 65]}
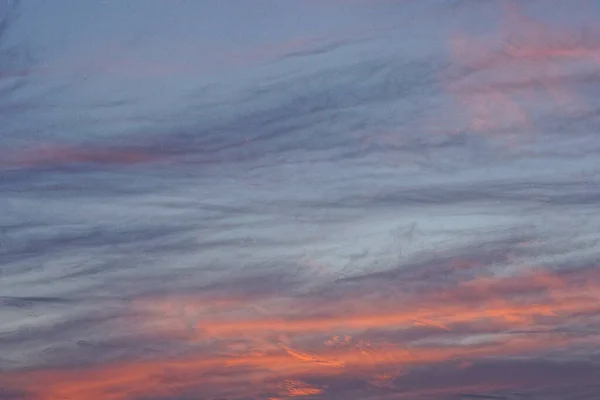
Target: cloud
{"type": "Point", "coordinates": [336, 232]}
{"type": "Point", "coordinates": [529, 66]}
{"type": "Point", "coordinates": [240, 341]}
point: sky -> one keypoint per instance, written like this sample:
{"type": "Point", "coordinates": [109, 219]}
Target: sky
{"type": "Point", "coordinates": [298, 199]}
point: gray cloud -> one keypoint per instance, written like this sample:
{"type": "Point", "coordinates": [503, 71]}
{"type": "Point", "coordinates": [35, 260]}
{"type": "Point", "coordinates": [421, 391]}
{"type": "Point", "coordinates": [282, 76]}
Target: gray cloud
{"type": "Point", "coordinates": [275, 213]}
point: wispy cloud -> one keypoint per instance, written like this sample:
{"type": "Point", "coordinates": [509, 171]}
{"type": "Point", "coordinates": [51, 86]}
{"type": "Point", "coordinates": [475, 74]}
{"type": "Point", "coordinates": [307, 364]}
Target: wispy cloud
{"type": "Point", "coordinates": [346, 221]}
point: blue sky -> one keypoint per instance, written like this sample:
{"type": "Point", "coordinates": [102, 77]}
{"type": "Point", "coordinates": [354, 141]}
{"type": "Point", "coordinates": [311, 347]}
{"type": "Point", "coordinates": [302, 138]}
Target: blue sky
{"type": "Point", "coordinates": [299, 199]}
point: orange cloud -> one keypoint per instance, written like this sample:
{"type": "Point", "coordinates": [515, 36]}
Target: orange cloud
{"type": "Point", "coordinates": [281, 347]}
{"type": "Point", "coordinates": [513, 302]}
{"type": "Point", "coordinates": [165, 377]}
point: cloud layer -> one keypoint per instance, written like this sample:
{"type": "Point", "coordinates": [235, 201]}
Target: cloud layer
{"type": "Point", "coordinates": [399, 213]}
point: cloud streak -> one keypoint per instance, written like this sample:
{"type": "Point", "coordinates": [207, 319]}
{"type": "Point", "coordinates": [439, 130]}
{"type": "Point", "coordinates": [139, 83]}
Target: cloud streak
{"type": "Point", "coordinates": [471, 322]}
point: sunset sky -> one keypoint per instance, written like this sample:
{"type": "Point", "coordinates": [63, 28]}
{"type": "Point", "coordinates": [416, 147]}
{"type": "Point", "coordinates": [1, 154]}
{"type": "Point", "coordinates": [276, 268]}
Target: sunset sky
{"type": "Point", "coordinates": [299, 199]}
